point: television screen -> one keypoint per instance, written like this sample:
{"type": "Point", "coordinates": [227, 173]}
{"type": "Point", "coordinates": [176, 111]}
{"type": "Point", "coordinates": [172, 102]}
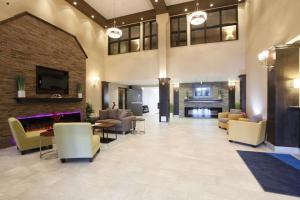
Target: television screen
{"type": "Point", "coordinates": [203, 91]}
{"type": "Point", "coordinates": [51, 81]}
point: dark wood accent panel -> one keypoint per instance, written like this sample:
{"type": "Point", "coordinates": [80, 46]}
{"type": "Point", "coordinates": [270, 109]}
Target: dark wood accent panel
{"type": "Point", "coordinates": [105, 94]}
{"type": "Point", "coordinates": [47, 100]}
{"type": "Point", "coordinates": [281, 96]}
{"type": "Point", "coordinates": [133, 18]}
{"type": "Point", "coordinates": [176, 101]}
{"type": "Point", "coordinates": [178, 9]}
{"type": "Point", "coordinates": [293, 126]}
{"type": "Point", "coordinates": [231, 96]}
{"type": "Point", "coordinates": [88, 10]}
{"type": "Point", "coordinates": [243, 92]}
{"type": "Point", "coordinates": [27, 41]}
{"type": "Point", "coordinates": [164, 98]}
{"type": "Point", "coordinates": [160, 7]}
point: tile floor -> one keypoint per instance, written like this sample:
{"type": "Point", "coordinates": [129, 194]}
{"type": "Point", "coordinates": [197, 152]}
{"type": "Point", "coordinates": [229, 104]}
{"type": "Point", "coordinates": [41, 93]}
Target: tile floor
{"type": "Point", "coordinates": [189, 159]}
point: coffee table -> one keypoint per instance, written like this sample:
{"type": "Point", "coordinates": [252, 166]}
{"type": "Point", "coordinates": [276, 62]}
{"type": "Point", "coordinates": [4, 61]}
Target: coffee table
{"type": "Point", "coordinates": [103, 126]}
{"type": "Point", "coordinates": [44, 134]}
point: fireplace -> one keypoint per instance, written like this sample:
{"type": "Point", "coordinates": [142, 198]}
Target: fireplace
{"type": "Point", "coordinates": [46, 120]}
{"type": "Point", "coordinates": [202, 112]}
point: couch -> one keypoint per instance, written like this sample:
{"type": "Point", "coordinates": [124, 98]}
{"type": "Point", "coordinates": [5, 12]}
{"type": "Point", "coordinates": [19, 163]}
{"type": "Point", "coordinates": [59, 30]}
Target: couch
{"type": "Point", "coordinates": [224, 117]}
{"type": "Point", "coordinates": [247, 132]}
{"type": "Point", "coordinates": [76, 140]}
{"type": "Point", "coordinates": [26, 140]}
{"type": "Point", "coordinates": [123, 119]}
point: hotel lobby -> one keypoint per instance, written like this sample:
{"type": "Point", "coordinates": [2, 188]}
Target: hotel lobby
{"type": "Point", "coordinates": [150, 99]}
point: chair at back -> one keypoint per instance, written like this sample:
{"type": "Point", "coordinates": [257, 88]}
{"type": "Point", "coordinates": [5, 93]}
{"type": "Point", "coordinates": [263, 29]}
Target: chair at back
{"type": "Point", "coordinates": [76, 140]}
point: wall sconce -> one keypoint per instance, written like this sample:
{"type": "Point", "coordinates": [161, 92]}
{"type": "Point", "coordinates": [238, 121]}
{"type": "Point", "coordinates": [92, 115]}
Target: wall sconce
{"type": "Point", "coordinates": [231, 84]}
{"type": "Point", "coordinates": [164, 81]}
{"type": "Point", "coordinates": [176, 87]}
{"type": "Point", "coordinates": [268, 58]}
{"type": "Point", "coordinates": [297, 83]}
{"type": "Point", "coordinates": [95, 81]}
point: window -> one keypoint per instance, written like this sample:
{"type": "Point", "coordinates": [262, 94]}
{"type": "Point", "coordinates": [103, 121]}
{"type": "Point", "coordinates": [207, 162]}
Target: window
{"type": "Point", "coordinates": [221, 25]}
{"type": "Point", "coordinates": [150, 35]}
{"type": "Point", "coordinates": [178, 31]}
{"type": "Point", "coordinates": [129, 42]}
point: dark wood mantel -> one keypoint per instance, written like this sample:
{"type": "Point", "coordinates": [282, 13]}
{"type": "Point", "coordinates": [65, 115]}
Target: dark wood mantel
{"type": "Point", "coordinates": [47, 100]}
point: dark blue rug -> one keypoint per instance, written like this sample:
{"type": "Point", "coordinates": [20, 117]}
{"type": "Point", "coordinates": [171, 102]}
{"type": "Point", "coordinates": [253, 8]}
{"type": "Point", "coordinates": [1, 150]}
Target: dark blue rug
{"type": "Point", "coordinates": [277, 173]}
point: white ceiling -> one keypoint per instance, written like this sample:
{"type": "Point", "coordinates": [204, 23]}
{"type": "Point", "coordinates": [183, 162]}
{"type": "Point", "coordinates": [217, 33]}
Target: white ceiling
{"type": "Point", "coordinates": [125, 7]}
{"type": "Point", "coordinates": [122, 7]}
{"type": "Point", "coordinates": [172, 2]}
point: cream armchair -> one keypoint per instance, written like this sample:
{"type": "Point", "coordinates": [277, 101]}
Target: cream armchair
{"type": "Point", "coordinates": [76, 140]}
{"type": "Point", "coordinates": [252, 133]}
{"type": "Point", "coordinates": [224, 117]}
{"type": "Point", "coordinates": [26, 140]}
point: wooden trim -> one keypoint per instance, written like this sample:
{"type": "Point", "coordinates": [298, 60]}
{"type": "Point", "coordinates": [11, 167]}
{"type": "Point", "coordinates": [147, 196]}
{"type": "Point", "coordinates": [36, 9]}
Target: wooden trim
{"type": "Point", "coordinates": [160, 7]}
{"type": "Point", "coordinates": [88, 10]}
{"type": "Point", "coordinates": [22, 14]}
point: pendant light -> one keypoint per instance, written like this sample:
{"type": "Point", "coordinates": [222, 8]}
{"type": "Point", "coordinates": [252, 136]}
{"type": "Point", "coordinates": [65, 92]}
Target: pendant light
{"type": "Point", "coordinates": [198, 17]}
{"type": "Point", "coordinates": [114, 32]}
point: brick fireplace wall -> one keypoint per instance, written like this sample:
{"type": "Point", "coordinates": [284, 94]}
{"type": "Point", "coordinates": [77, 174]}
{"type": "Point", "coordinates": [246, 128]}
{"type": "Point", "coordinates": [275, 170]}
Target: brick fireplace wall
{"type": "Point", "coordinates": [187, 88]}
{"type": "Point", "coordinates": [27, 41]}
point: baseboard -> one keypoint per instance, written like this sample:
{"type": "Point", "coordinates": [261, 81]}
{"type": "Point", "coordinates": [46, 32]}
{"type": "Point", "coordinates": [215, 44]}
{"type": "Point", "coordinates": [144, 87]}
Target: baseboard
{"type": "Point", "coordinates": [281, 149]}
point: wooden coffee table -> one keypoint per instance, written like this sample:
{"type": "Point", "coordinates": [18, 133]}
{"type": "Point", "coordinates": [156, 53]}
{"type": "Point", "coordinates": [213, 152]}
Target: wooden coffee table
{"type": "Point", "coordinates": [103, 126]}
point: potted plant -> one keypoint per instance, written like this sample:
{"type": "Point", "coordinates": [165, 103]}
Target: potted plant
{"type": "Point", "coordinates": [79, 90]}
{"type": "Point", "coordinates": [186, 95]}
{"type": "Point", "coordinates": [219, 94]}
{"type": "Point", "coordinates": [21, 86]}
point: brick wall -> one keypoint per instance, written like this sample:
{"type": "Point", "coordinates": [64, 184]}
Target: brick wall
{"type": "Point", "coordinates": [27, 41]}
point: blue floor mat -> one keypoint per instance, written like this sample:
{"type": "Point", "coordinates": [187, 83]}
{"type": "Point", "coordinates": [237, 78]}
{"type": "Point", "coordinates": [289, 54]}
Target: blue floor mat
{"type": "Point", "coordinates": [275, 173]}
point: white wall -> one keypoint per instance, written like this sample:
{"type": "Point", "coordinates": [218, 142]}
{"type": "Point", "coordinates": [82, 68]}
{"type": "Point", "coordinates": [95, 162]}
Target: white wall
{"type": "Point", "coordinates": [90, 35]}
{"type": "Point", "coordinates": [151, 98]}
{"type": "Point", "coordinates": [268, 23]}
{"type": "Point", "coordinates": [214, 62]}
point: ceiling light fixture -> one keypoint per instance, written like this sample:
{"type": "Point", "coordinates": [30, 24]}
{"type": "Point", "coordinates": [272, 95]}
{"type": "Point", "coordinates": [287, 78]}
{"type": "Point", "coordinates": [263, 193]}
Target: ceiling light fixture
{"type": "Point", "coordinates": [75, 3]}
{"type": "Point", "coordinates": [211, 5]}
{"type": "Point", "coordinates": [185, 10]}
{"type": "Point", "coordinates": [93, 16]}
{"type": "Point", "coordinates": [156, 1]}
{"type": "Point", "coordinates": [198, 17]}
{"type": "Point", "coordinates": [142, 18]}
{"type": "Point", "coordinates": [114, 32]}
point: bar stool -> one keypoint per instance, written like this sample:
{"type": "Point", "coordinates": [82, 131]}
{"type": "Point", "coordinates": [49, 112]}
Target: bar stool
{"type": "Point", "coordinates": [139, 119]}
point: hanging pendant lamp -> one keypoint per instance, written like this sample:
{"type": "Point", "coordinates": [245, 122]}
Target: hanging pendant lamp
{"type": "Point", "coordinates": [114, 32]}
{"type": "Point", "coordinates": [198, 17]}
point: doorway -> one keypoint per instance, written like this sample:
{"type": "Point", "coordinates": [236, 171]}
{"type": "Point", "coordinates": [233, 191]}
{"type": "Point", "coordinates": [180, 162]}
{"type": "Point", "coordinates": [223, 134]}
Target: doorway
{"type": "Point", "coordinates": [122, 98]}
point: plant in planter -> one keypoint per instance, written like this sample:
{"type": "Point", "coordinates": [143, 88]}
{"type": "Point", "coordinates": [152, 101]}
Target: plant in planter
{"type": "Point", "coordinates": [79, 90]}
{"type": "Point", "coordinates": [89, 111]}
{"type": "Point", "coordinates": [21, 86]}
{"type": "Point", "coordinates": [186, 95]}
{"type": "Point", "coordinates": [220, 95]}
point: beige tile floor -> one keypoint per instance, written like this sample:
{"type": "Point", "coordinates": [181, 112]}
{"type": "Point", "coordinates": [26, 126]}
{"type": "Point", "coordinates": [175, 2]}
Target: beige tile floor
{"type": "Point", "coordinates": [188, 159]}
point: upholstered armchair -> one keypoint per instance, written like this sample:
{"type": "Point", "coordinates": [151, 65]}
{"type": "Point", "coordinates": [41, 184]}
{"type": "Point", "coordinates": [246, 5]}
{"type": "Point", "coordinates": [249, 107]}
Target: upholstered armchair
{"type": "Point", "coordinates": [26, 140]}
{"type": "Point", "coordinates": [247, 132]}
{"type": "Point", "coordinates": [76, 140]}
{"type": "Point", "coordinates": [224, 117]}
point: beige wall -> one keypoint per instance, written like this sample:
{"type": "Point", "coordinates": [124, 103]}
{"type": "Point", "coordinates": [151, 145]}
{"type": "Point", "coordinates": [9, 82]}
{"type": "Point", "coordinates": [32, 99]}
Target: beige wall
{"type": "Point", "coordinates": [90, 35]}
{"type": "Point", "coordinates": [215, 61]}
{"type": "Point", "coordinates": [113, 89]}
{"type": "Point", "coordinates": [269, 22]}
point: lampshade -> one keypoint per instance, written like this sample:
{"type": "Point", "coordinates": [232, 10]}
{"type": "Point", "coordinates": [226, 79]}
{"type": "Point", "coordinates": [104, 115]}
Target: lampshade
{"type": "Point", "coordinates": [114, 32]}
{"type": "Point", "coordinates": [297, 83]}
{"type": "Point", "coordinates": [197, 18]}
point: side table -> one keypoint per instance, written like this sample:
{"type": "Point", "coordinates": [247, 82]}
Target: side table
{"type": "Point", "coordinates": [139, 119]}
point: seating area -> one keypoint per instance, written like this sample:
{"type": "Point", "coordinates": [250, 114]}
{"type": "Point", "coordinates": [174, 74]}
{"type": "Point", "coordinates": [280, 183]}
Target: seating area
{"type": "Point", "coordinates": [149, 99]}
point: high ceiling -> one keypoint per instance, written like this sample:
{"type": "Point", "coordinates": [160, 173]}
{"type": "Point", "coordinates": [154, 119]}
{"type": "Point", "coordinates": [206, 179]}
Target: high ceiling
{"type": "Point", "coordinates": [133, 11]}
{"type": "Point", "coordinates": [117, 8]}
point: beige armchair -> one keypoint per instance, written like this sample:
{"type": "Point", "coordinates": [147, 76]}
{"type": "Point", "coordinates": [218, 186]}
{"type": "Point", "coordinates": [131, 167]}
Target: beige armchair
{"type": "Point", "coordinates": [252, 133]}
{"type": "Point", "coordinates": [76, 140]}
{"type": "Point", "coordinates": [26, 140]}
{"type": "Point", "coordinates": [224, 117]}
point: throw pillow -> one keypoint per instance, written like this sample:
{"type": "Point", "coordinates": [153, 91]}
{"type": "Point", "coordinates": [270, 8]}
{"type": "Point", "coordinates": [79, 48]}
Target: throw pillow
{"type": "Point", "coordinates": [103, 114]}
{"type": "Point", "coordinates": [112, 113]}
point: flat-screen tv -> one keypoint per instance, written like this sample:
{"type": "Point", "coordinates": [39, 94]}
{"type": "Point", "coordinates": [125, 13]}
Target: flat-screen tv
{"type": "Point", "coordinates": [51, 81]}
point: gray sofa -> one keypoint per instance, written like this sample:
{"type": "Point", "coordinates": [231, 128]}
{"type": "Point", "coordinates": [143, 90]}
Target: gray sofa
{"type": "Point", "coordinates": [122, 118]}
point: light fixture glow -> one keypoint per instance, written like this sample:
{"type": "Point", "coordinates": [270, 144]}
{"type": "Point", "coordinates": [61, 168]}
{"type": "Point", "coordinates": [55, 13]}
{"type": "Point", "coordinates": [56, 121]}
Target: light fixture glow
{"type": "Point", "coordinates": [114, 32]}
{"type": "Point", "coordinates": [268, 58]}
{"type": "Point", "coordinates": [297, 83]}
{"type": "Point", "coordinates": [185, 10]}
{"type": "Point", "coordinates": [211, 5]}
{"type": "Point", "coordinates": [198, 17]}
{"type": "Point", "coordinates": [93, 16]}
{"type": "Point", "coordinates": [74, 3]}
{"type": "Point", "coordinates": [156, 1]}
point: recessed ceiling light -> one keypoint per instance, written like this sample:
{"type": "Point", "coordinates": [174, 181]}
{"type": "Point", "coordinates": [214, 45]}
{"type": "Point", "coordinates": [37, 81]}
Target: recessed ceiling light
{"type": "Point", "coordinates": [93, 16]}
{"type": "Point", "coordinates": [142, 18]}
{"type": "Point", "coordinates": [211, 5]}
{"type": "Point", "coordinates": [185, 10]}
{"type": "Point", "coordinates": [156, 1]}
{"type": "Point", "coordinates": [105, 26]}
{"type": "Point", "coordinates": [240, 0]}
{"type": "Point", "coordinates": [123, 22]}
{"type": "Point", "coordinates": [75, 3]}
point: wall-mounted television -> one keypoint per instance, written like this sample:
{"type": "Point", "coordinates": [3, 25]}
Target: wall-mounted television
{"type": "Point", "coordinates": [51, 81]}
{"type": "Point", "coordinates": [202, 91]}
